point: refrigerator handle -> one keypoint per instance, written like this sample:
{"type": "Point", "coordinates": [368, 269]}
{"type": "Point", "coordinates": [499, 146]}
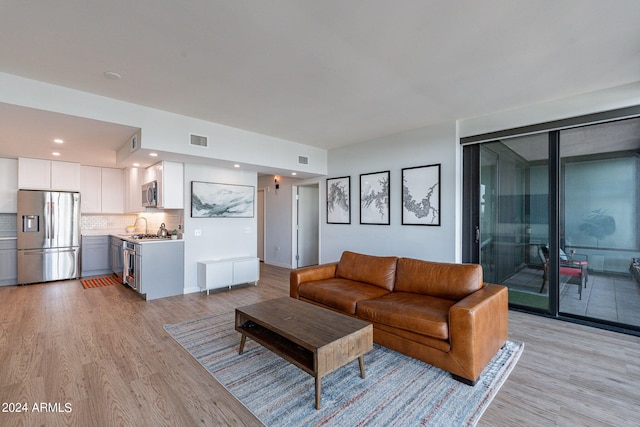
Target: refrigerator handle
{"type": "Point", "coordinates": [52, 233]}
{"type": "Point", "coordinates": [47, 221]}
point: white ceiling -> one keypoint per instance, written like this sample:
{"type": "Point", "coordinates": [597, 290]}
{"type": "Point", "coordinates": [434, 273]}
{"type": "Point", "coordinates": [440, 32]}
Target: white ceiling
{"type": "Point", "coordinates": [324, 73]}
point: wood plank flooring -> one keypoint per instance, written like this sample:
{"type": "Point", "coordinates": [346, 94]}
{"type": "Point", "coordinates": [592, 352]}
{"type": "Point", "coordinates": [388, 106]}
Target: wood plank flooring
{"type": "Point", "coordinates": [104, 353]}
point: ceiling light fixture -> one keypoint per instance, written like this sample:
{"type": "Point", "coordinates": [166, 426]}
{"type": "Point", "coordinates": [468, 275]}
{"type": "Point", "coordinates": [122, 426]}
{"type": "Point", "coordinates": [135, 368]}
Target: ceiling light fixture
{"type": "Point", "coordinates": [153, 154]}
{"type": "Point", "coordinates": [58, 141]}
{"type": "Point", "coordinates": [112, 75]}
{"type": "Point", "coordinates": [55, 153]}
{"type": "Point", "coordinates": [135, 165]}
{"type": "Point", "coordinates": [294, 173]}
{"type": "Point", "coordinates": [236, 165]}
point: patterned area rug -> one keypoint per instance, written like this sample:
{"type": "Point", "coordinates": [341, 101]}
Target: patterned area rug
{"type": "Point", "coordinates": [397, 390]}
{"type": "Point", "coordinates": [100, 281]}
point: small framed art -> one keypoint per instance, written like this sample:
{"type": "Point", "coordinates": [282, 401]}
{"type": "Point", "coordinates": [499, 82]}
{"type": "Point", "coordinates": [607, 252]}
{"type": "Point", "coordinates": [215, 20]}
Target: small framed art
{"type": "Point", "coordinates": [421, 195]}
{"type": "Point", "coordinates": [339, 200]}
{"type": "Point", "coordinates": [374, 198]}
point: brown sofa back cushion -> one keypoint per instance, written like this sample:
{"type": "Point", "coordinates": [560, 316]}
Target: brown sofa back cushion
{"type": "Point", "coordinates": [450, 281]}
{"type": "Point", "coordinates": [375, 270]}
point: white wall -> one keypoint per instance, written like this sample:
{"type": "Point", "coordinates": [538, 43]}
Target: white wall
{"type": "Point", "coordinates": [221, 237]}
{"type": "Point", "coordinates": [593, 102]}
{"type": "Point", "coordinates": [425, 146]}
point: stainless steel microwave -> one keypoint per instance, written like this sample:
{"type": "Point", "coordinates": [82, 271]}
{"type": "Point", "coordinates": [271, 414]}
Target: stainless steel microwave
{"type": "Point", "coordinates": [150, 194]}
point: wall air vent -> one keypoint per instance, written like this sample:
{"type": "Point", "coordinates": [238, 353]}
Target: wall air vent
{"type": "Point", "coordinates": [199, 141]}
{"type": "Point", "coordinates": [303, 160]}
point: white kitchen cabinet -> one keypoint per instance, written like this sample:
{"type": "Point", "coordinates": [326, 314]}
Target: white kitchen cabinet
{"type": "Point", "coordinates": [101, 190]}
{"type": "Point", "coordinates": [40, 174]}
{"type": "Point", "coordinates": [228, 272]}
{"type": "Point", "coordinates": [65, 176]}
{"type": "Point", "coordinates": [133, 180]}
{"type": "Point", "coordinates": [8, 185]}
{"type": "Point", "coordinates": [95, 255]}
{"type": "Point", "coordinates": [90, 189]}
{"type": "Point", "coordinates": [111, 190]}
{"type": "Point", "coordinates": [170, 178]}
{"type": "Point", "coordinates": [34, 174]}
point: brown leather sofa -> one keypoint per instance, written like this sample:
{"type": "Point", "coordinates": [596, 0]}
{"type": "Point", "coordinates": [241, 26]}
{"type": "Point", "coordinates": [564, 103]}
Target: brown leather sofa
{"type": "Point", "coordinates": [443, 314]}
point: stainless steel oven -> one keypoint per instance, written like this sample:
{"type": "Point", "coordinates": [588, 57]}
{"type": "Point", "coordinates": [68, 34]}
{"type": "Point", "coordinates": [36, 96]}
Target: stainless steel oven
{"type": "Point", "coordinates": [131, 265]}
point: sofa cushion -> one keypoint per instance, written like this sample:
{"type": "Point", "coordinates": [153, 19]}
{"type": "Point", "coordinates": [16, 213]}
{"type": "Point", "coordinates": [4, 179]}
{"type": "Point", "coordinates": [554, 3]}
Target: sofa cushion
{"type": "Point", "coordinates": [442, 280]}
{"type": "Point", "coordinates": [339, 294]}
{"type": "Point", "coordinates": [375, 270]}
{"type": "Point", "coordinates": [422, 314]}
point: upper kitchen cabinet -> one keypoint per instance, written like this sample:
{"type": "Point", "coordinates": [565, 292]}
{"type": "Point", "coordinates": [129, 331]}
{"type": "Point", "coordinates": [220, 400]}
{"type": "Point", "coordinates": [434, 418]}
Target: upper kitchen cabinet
{"type": "Point", "coordinates": [170, 179]}
{"type": "Point", "coordinates": [39, 174]}
{"type": "Point", "coordinates": [133, 180]}
{"type": "Point", "coordinates": [101, 190]}
{"type": "Point", "coordinates": [8, 185]}
{"type": "Point", "coordinates": [112, 194]}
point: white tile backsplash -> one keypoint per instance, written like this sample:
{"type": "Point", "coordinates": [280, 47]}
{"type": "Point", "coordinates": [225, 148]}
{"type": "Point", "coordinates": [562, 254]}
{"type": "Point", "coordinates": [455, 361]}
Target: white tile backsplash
{"type": "Point", "coordinates": [95, 223]}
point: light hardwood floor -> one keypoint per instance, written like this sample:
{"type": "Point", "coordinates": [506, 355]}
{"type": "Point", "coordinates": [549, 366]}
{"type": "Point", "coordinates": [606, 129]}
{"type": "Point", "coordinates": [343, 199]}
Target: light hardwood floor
{"type": "Point", "coordinates": [105, 353]}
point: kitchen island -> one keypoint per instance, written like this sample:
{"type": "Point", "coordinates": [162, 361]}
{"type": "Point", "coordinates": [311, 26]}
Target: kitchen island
{"type": "Point", "coordinates": [153, 267]}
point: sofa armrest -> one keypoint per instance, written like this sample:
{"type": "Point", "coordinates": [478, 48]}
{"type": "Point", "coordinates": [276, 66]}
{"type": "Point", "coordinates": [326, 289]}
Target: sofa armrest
{"type": "Point", "coordinates": [479, 327]}
{"type": "Point", "coordinates": [309, 274]}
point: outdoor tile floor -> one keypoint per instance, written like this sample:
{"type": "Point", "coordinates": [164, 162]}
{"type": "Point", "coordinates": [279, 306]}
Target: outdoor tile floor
{"type": "Point", "coordinates": [607, 297]}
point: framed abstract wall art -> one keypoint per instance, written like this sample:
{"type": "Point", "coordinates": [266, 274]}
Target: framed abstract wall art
{"type": "Point", "coordinates": [374, 198]}
{"type": "Point", "coordinates": [213, 200]}
{"type": "Point", "coordinates": [339, 200]}
{"type": "Point", "coordinates": [421, 195]}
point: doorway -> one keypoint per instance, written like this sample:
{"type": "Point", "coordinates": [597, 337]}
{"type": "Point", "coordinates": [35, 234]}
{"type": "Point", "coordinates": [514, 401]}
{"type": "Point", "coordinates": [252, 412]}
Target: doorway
{"type": "Point", "coordinates": [307, 225]}
{"type": "Point", "coordinates": [261, 213]}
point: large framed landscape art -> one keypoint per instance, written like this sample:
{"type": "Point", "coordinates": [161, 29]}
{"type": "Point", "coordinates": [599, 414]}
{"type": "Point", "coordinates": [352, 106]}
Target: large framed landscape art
{"type": "Point", "coordinates": [213, 200]}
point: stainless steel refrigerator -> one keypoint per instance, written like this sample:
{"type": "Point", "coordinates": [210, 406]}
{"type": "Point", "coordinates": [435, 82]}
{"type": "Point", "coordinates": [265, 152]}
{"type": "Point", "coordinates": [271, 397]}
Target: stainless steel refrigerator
{"type": "Point", "coordinates": [48, 236]}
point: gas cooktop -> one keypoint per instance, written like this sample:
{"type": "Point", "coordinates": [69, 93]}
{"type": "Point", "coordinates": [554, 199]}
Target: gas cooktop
{"type": "Point", "coordinates": [147, 237]}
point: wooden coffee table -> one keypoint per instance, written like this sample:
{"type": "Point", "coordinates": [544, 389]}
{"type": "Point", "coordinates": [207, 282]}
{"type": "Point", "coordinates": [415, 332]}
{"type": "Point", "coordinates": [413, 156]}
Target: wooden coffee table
{"type": "Point", "coordinates": [314, 339]}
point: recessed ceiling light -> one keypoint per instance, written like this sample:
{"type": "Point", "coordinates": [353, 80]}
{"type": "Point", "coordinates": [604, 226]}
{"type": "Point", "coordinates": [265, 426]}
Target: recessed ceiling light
{"type": "Point", "coordinates": [153, 154]}
{"type": "Point", "coordinates": [112, 75]}
{"type": "Point", "coordinates": [236, 165]}
{"type": "Point", "coordinates": [55, 153]}
{"type": "Point", "coordinates": [135, 165]}
{"type": "Point", "coordinates": [294, 173]}
{"type": "Point", "coordinates": [58, 141]}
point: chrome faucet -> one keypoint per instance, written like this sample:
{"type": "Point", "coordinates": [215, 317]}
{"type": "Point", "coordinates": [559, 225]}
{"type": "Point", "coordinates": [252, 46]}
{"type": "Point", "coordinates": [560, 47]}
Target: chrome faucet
{"type": "Point", "coordinates": [146, 224]}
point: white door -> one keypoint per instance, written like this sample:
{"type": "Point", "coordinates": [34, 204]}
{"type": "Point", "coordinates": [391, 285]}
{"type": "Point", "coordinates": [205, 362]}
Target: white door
{"type": "Point", "coordinates": [308, 225]}
{"type": "Point", "coordinates": [261, 225]}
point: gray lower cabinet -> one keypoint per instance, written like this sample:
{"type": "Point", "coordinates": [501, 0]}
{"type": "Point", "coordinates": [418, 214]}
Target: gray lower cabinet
{"type": "Point", "coordinates": [116, 255]}
{"type": "Point", "coordinates": [8, 262]}
{"type": "Point", "coordinates": [95, 255]}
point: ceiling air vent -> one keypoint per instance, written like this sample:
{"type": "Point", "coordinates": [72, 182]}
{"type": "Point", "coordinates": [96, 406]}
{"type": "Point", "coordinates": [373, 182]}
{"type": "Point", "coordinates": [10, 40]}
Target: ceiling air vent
{"type": "Point", "coordinates": [303, 160]}
{"type": "Point", "coordinates": [199, 141]}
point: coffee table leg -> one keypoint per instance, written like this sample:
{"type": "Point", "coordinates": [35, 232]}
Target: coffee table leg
{"type": "Point", "coordinates": [361, 362]}
{"type": "Point", "coordinates": [242, 341]}
{"type": "Point", "coordinates": [318, 392]}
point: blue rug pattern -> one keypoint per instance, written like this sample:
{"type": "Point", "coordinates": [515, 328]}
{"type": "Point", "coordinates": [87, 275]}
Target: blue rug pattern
{"type": "Point", "coordinates": [398, 390]}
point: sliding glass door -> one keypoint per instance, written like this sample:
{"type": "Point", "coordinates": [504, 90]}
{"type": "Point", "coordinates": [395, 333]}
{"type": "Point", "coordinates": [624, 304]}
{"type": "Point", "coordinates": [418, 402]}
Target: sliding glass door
{"type": "Point", "coordinates": [513, 220]}
{"type": "Point", "coordinates": [555, 217]}
{"type": "Point", "coordinates": [599, 221]}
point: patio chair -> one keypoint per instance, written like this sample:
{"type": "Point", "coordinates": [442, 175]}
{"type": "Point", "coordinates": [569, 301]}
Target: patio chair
{"type": "Point", "coordinates": [575, 272]}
